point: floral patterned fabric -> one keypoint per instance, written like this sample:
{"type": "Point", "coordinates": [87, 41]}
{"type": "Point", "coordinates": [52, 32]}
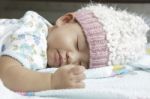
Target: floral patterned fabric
{"type": "Point", "coordinates": [24, 39]}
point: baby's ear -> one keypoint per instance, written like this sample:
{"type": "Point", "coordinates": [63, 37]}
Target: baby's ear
{"type": "Point", "coordinates": [67, 18]}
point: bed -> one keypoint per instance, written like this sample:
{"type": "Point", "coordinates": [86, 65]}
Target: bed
{"type": "Point", "coordinates": [130, 82]}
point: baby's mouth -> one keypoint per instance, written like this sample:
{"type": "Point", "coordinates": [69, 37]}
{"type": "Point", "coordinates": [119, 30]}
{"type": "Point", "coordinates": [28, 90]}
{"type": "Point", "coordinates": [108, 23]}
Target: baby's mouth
{"type": "Point", "coordinates": [59, 59]}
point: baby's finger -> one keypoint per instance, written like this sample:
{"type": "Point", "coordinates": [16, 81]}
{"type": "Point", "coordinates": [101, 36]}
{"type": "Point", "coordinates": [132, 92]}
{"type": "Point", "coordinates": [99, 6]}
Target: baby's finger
{"type": "Point", "coordinates": [79, 85]}
{"type": "Point", "coordinates": [79, 78]}
{"type": "Point", "coordinates": [77, 70]}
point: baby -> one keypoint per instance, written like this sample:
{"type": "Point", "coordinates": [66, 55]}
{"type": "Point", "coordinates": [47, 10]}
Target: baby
{"type": "Point", "coordinates": [92, 37]}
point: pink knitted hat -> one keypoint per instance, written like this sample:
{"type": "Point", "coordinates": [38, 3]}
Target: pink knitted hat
{"type": "Point", "coordinates": [114, 37]}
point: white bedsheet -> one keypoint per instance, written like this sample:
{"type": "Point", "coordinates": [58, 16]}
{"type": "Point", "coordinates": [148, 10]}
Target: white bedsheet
{"type": "Point", "coordinates": [133, 85]}
{"type": "Point", "coordinates": [129, 86]}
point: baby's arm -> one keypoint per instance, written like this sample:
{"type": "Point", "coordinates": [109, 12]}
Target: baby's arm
{"type": "Point", "coordinates": [18, 78]}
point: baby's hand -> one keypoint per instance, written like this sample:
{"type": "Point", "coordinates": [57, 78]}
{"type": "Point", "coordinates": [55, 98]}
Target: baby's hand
{"type": "Point", "coordinates": [68, 76]}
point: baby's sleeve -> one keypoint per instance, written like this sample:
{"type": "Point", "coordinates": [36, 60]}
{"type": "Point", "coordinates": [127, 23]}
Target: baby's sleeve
{"type": "Point", "coordinates": [27, 44]}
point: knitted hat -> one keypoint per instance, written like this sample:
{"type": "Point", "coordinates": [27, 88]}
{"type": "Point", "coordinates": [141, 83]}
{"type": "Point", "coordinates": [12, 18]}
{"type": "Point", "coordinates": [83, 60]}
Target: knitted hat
{"type": "Point", "coordinates": [114, 37]}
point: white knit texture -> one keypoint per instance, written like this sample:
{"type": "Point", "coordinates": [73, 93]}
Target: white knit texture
{"type": "Point", "coordinates": [126, 33]}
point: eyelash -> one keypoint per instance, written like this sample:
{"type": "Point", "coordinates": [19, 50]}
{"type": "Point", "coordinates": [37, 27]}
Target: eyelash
{"type": "Point", "coordinates": [77, 44]}
{"type": "Point", "coordinates": [80, 63]}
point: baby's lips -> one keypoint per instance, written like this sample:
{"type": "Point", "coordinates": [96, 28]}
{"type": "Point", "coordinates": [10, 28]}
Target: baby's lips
{"type": "Point", "coordinates": [57, 58]}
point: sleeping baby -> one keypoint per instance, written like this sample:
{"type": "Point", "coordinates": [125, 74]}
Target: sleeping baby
{"type": "Point", "coordinates": [91, 37]}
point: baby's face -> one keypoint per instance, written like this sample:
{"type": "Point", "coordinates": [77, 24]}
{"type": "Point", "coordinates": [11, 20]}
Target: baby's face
{"type": "Point", "coordinates": [67, 45]}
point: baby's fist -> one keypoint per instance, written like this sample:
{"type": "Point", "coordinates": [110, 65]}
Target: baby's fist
{"type": "Point", "coordinates": [68, 76]}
